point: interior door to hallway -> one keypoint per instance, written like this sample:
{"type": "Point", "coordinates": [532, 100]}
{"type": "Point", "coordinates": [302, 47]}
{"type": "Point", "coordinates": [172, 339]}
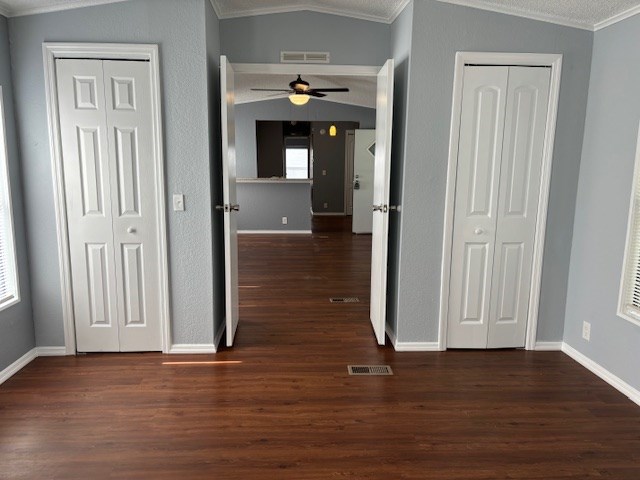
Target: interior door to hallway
{"type": "Point", "coordinates": [502, 132]}
{"type": "Point", "coordinates": [106, 128]}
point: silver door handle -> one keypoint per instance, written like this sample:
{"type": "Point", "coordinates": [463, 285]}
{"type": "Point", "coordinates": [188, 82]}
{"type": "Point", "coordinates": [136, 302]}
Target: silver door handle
{"type": "Point", "coordinates": [381, 208]}
{"type": "Point", "coordinates": [234, 208]}
{"type": "Point", "coordinates": [131, 230]}
{"type": "Point", "coordinates": [479, 231]}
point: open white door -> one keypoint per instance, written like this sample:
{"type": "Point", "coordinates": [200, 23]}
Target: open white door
{"type": "Point", "coordinates": [381, 180]}
{"type": "Point", "coordinates": [230, 206]}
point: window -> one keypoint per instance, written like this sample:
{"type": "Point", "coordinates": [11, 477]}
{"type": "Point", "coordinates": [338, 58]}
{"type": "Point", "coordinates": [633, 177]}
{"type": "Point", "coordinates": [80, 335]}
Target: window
{"type": "Point", "coordinates": [8, 269]}
{"type": "Point", "coordinates": [629, 300]}
{"type": "Point", "coordinates": [296, 157]}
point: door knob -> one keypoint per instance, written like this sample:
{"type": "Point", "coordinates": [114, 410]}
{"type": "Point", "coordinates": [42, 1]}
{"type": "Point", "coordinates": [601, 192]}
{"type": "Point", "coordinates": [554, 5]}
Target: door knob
{"type": "Point", "coordinates": [479, 231]}
{"type": "Point", "coordinates": [381, 208]}
{"type": "Point", "coordinates": [131, 230]}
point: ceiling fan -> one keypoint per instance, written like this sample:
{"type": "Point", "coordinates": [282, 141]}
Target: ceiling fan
{"type": "Point", "coordinates": [300, 91]}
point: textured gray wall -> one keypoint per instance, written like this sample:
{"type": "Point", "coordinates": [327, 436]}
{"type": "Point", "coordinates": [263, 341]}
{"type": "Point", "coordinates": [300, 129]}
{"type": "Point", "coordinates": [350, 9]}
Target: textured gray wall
{"type": "Point", "coordinates": [260, 39]}
{"type": "Point", "coordinates": [212, 26]}
{"type": "Point", "coordinates": [401, 34]}
{"type": "Point", "coordinates": [282, 109]}
{"type": "Point", "coordinates": [16, 322]}
{"type": "Point", "coordinates": [602, 205]}
{"type": "Point", "coordinates": [262, 206]}
{"type": "Point", "coordinates": [179, 29]}
{"type": "Point", "coordinates": [439, 31]}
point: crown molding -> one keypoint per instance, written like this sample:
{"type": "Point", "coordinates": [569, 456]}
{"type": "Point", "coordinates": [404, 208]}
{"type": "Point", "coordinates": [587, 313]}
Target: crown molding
{"type": "Point", "coordinates": [519, 13]}
{"type": "Point", "coordinates": [20, 12]}
{"type": "Point", "coordinates": [617, 18]}
{"type": "Point", "coordinates": [306, 7]}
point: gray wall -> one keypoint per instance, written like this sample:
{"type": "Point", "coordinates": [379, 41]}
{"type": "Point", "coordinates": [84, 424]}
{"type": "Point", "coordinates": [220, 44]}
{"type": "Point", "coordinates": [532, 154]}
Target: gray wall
{"type": "Point", "coordinates": [16, 323]}
{"type": "Point", "coordinates": [262, 206]}
{"type": "Point", "coordinates": [179, 29]}
{"type": "Point", "coordinates": [260, 39]}
{"type": "Point", "coordinates": [602, 205]}
{"type": "Point", "coordinates": [401, 36]}
{"type": "Point", "coordinates": [439, 31]}
{"type": "Point", "coordinates": [212, 28]}
{"type": "Point", "coordinates": [282, 109]}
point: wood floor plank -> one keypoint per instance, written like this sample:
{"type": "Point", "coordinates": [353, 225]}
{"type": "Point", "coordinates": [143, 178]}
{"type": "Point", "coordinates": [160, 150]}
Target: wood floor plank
{"type": "Point", "coordinates": [288, 409]}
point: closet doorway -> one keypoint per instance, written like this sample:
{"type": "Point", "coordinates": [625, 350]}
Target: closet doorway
{"type": "Point", "coordinates": [499, 170]}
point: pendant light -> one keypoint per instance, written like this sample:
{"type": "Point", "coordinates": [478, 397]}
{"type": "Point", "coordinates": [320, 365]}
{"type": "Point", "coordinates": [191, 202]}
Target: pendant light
{"type": "Point", "coordinates": [333, 130]}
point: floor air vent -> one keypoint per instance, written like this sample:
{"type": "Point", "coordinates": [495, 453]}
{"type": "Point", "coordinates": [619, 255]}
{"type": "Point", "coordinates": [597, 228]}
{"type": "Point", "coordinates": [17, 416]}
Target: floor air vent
{"type": "Point", "coordinates": [370, 370]}
{"type": "Point", "coordinates": [344, 300]}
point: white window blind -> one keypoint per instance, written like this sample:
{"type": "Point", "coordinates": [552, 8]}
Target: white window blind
{"type": "Point", "coordinates": [629, 301]}
{"type": "Point", "coordinates": [8, 270]}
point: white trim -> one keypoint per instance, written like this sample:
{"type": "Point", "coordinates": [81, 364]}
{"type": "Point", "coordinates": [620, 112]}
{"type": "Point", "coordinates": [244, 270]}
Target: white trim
{"type": "Point", "coordinates": [51, 51]}
{"type": "Point", "coordinates": [18, 365]}
{"type": "Point", "coordinates": [625, 311]}
{"type": "Point", "coordinates": [635, 10]}
{"type": "Point", "coordinates": [192, 348]}
{"type": "Point", "coordinates": [274, 232]}
{"type": "Point", "coordinates": [309, 7]}
{"type": "Point", "coordinates": [51, 351]}
{"type": "Point", "coordinates": [416, 346]}
{"type": "Point", "coordinates": [613, 380]}
{"type": "Point", "coordinates": [509, 10]}
{"type": "Point", "coordinates": [548, 346]}
{"type": "Point", "coordinates": [5, 175]}
{"type": "Point", "coordinates": [69, 5]}
{"type": "Point", "coordinates": [305, 69]}
{"type": "Point", "coordinates": [555, 62]}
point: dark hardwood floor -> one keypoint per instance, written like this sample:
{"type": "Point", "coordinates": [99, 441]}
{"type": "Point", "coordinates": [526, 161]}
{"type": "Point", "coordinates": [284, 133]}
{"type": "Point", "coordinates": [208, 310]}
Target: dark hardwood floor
{"type": "Point", "coordinates": [280, 405]}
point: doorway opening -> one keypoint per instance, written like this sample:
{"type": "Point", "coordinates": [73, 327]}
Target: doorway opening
{"type": "Point", "coordinates": [294, 180]}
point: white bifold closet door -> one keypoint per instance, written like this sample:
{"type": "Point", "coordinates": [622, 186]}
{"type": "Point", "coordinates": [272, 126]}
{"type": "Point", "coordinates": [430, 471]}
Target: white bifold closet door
{"type": "Point", "coordinates": [109, 174]}
{"type": "Point", "coordinates": [502, 132]}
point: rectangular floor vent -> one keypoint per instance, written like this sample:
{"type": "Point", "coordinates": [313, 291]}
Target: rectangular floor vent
{"type": "Point", "coordinates": [344, 300]}
{"type": "Point", "coordinates": [370, 370]}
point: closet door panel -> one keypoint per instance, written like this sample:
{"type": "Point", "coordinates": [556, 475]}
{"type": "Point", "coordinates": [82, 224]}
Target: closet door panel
{"type": "Point", "coordinates": [518, 199]}
{"type": "Point", "coordinates": [477, 184]}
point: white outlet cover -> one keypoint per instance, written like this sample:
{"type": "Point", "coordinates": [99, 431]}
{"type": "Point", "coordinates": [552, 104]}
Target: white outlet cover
{"type": "Point", "coordinates": [586, 331]}
{"type": "Point", "coordinates": [178, 202]}
{"type": "Point", "coordinates": [285, 220]}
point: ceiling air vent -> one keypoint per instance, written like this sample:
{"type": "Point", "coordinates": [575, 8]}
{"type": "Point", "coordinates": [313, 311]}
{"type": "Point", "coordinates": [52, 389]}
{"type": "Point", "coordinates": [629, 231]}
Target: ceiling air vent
{"type": "Point", "coordinates": [305, 57]}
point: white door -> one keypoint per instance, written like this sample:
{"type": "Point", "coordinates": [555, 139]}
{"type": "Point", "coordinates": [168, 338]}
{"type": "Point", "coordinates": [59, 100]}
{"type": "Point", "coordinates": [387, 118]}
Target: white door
{"type": "Point", "coordinates": [229, 197]}
{"type": "Point", "coordinates": [502, 128]}
{"type": "Point", "coordinates": [381, 181]}
{"type": "Point", "coordinates": [109, 173]}
{"type": "Point", "coordinates": [363, 169]}
{"type": "Point", "coordinates": [348, 177]}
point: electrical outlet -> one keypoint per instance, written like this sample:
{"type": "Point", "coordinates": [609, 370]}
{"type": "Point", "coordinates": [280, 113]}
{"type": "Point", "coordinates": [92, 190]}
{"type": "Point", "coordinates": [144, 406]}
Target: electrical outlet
{"type": "Point", "coordinates": [285, 220]}
{"type": "Point", "coordinates": [324, 173]}
{"type": "Point", "coordinates": [326, 205]}
{"type": "Point", "coordinates": [586, 331]}
{"type": "Point", "coordinates": [178, 202]}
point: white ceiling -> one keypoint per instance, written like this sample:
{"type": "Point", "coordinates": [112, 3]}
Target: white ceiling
{"type": "Point", "coordinates": [362, 90]}
{"type": "Point", "coordinates": [586, 14]}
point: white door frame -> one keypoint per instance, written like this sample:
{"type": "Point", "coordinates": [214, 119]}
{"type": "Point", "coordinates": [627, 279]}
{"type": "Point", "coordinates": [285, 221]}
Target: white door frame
{"type": "Point", "coordinates": [100, 51]}
{"type": "Point", "coordinates": [504, 59]}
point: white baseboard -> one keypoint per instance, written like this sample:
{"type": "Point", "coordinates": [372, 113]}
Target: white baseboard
{"type": "Point", "coordinates": [417, 346]}
{"type": "Point", "coordinates": [603, 373]}
{"type": "Point", "coordinates": [192, 348]}
{"type": "Point", "coordinates": [51, 351]}
{"type": "Point", "coordinates": [548, 346]}
{"type": "Point", "coordinates": [274, 232]}
{"type": "Point", "coordinates": [18, 365]}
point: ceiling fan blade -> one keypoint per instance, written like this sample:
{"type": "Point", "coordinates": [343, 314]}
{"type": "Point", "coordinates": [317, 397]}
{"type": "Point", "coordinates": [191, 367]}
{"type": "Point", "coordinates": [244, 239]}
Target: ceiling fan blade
{"type": "Point", "coordinates": [314, 93]}
{"type": "Point", "coordinates": [330, 89]}
{"type": "Point", "coordinates": [270, 90]}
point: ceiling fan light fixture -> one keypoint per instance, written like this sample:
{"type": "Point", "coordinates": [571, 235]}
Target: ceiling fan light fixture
{"type": "Point", "coordinates": [298, 99]}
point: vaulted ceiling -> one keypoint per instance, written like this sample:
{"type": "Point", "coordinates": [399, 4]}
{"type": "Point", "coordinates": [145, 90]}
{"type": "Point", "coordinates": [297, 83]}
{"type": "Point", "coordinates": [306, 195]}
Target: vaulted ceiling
{"type": "Point", "coordinates": [587, 14]}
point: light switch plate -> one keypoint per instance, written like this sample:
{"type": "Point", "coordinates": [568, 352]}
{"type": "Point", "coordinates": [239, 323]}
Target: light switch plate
{"type": "Point", "coordinates": [178, 202]}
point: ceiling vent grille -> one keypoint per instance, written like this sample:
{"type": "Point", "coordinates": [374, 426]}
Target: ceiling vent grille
{"type": "Point", "coordinates": [305, 57]}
